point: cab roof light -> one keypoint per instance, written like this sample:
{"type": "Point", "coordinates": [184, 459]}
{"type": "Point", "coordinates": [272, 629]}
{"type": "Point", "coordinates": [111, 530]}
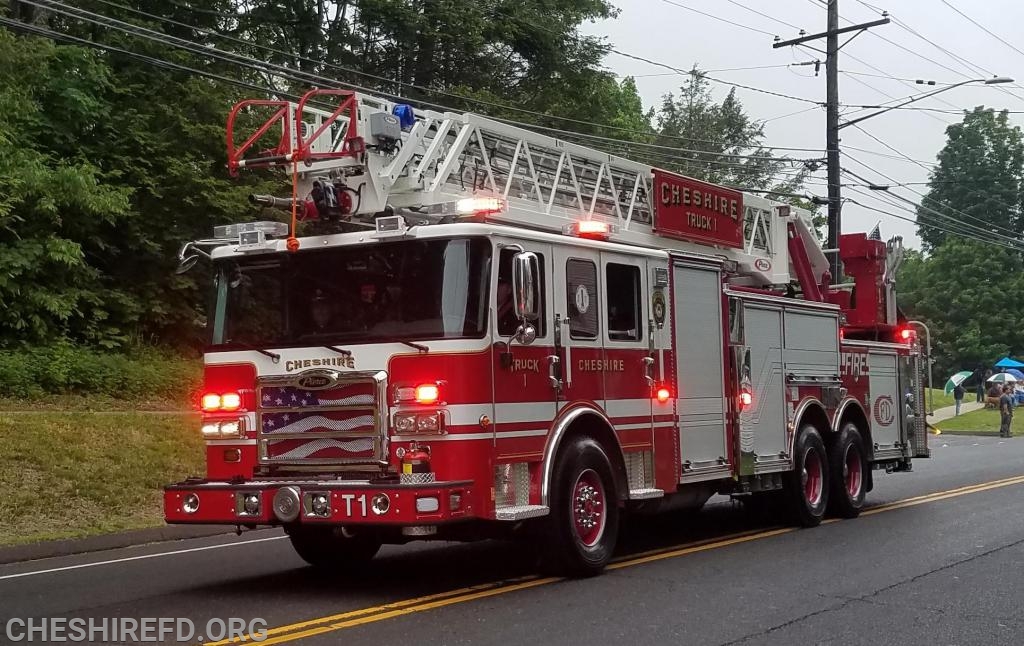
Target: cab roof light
{"type": "Point", "coordinates": [594, 229]}
{"type": "Point", "coordinates": [479, 205]}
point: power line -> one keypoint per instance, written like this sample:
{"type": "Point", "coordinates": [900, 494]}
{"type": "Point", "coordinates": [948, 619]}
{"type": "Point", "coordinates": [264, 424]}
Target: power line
{"type": "Point", "coordinates": [881, 154]}
{"type": "Point", "coordinates": [711, 78]}
{"type": "Point", "coordinates": [718, 18]}
{"type": "Point", "coordinates": [763, 15]}
{"type": "Point", "coordinates": [624, 143]}
{"type": "Point", "coordinates": [925, 197]}
{"type": "Point", "coordinates": [289, 73]}
{"type": "Point", "coordinates": [230, 38]}
{"type": "Point", "coordinates": [930, 217]}
{"type": "Point", "coordinates": [975, 69]}
{"type": "Point", "coordinates": [982, 27]}
{"type": "Point", "coordinates": [932, 225]}
{"type": "Point", "coordinates": [724, 69]}
{"type": "Point", "coordinates": [889, 77]}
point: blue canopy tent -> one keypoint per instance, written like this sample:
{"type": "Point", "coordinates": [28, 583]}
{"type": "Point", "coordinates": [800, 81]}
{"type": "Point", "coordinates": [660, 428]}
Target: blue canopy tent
{"type": "Point", "coordinates": [1007, 362]}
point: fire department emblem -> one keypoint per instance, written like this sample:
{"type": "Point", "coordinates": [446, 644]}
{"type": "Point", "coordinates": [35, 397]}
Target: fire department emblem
{"type": "Point", "coordinates": [582, 299]}
{"type": "Point", "coordinates": [658, 307]}
{"type": "Point", "coordinates": [884, 410]}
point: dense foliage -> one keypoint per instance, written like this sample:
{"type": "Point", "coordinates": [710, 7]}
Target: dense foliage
{"type": "Point", "coordinates": [970, 289]}
{"type": "Point", "coordinates": [109, 161]}
{"type": "Point", "coordinates": [979, 180]}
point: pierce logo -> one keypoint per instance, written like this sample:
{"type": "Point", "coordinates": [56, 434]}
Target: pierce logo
{"type": "Point", "coordinates": [317, 379]}
{"type": "Point", "coordinates": [884, 410]}
{"type": "Point", "coordinates": [762, 264]}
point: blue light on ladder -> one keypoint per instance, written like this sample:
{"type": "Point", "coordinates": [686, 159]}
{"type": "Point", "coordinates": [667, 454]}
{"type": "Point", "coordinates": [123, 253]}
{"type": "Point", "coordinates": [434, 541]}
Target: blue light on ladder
{"type": "Point", "coordinates": [405, 115]}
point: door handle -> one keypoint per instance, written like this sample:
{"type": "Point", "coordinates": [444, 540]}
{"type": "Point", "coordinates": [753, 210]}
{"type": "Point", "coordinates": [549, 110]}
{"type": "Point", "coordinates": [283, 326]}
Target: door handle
{"type": "Point", "coordinates": [648, 366]}
{"type": "Point", "coordinates": [554, 371]}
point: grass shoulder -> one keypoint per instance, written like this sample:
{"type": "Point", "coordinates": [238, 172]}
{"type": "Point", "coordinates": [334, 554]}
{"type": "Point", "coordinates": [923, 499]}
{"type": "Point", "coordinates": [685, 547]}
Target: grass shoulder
{"type": "Point", "coordinates": [69, 474]}
{"type": "Point", "coordinates": [984, 421]}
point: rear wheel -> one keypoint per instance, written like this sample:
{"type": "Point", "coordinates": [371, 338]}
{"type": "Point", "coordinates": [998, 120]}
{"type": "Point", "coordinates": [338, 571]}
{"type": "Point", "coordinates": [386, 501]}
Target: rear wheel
{"type": "Point", "coordinates": [848, 467]}
{"type": "Point", "coordinates": [807, 484]}
{"type": "Point", "coordinates": [583, 526]}
{"type": "Point", "coordinates": [331, 548]}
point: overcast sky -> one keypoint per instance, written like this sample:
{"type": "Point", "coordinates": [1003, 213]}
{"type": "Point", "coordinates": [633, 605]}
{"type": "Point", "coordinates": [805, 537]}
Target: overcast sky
{"type": "Point", "coordinates": [662, 31]}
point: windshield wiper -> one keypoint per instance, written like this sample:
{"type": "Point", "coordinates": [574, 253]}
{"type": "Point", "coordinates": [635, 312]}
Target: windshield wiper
{"type": "Point", "coordinates": [231, 347]}
{"type": "Point", "coordinates": [418, 346]}
{"type": "Point", "coordinates": [340, 351]}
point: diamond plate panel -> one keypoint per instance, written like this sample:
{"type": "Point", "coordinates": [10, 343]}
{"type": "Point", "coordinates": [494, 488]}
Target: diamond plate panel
{"type": "Point", "coordinates": [640, 469]}
{"type": "Point", "coordinates": [511, 485]}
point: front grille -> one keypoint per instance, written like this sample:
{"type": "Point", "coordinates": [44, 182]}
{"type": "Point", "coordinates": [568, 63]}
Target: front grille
{"type": "Point", "coordinates": [338, 425]}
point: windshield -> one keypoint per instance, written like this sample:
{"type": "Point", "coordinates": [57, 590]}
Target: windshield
{"type": "Point", "coordinates": [409, 289]}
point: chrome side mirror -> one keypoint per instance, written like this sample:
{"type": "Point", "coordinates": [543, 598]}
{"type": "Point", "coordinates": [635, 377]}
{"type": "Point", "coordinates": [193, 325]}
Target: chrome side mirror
{"type": "Point", "coordinates": [525, 280]}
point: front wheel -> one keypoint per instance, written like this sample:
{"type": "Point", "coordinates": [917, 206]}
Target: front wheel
{"type": "Point", "coordinates": [331, 548]}
{"type": "Point", "coordinates": [807, 485]}
{"type": "Point", "coordinates": [584, 521]}
{"type": "Point", "coordinates": [848, 466]}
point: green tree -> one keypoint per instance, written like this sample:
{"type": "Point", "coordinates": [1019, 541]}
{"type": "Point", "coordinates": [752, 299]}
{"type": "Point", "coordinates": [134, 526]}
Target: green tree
{"type": "Point", "coordinates": [970, 295]}
{"type": "Point", "coordinates": [694, 121]}
{"type": "Point", "coordinates": [108, 165]}
{"type": "Point", "coordinates": [980, 173]}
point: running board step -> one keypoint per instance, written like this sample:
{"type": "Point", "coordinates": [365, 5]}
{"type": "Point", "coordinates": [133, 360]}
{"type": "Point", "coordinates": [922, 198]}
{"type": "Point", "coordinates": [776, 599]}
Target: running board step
{"type": "Point", "coordinates": [521, 512]}
{"type": "Point", "coordinates": [645, 494]}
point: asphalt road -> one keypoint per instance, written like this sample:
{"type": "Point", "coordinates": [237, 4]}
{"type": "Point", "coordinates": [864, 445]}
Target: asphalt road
{"type": "Point", "coordinates": [938, 559]}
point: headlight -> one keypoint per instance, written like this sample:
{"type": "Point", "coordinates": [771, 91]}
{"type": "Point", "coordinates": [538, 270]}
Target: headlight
{"type": "Point", "coordinates": [223, 430]}
{"type": "Point", "coordinates": [428, 423]}
{"type": "Point", "coordinates": [423, 422]}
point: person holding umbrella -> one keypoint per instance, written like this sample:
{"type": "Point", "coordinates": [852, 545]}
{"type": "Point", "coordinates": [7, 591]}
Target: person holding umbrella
{"type": "Point", "coordinates": [958, 397]}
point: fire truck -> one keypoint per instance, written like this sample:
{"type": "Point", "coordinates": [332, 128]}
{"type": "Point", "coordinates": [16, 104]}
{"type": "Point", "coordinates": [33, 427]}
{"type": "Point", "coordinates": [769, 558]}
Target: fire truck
{"type": "Point", "coordinates": [483, 331]}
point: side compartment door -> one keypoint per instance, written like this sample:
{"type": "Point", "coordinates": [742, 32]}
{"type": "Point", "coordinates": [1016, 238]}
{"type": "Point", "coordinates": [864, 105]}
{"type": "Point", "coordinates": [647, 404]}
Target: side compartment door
{"type": "Point", "coordinates": [883, 394]}
{"type": "Point", "coordinates": [700, 372]}
{"type": "Point", "coordinates": [578, 306]}
{"type": "Point", "coordinates": [764, 420]}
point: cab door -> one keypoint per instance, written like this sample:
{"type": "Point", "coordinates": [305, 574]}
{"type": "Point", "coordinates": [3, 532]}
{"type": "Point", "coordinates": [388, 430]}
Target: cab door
{"type": "Point", "coordinates": [628, 368]}
{"type": "Point", "coordinates": [524, 401]}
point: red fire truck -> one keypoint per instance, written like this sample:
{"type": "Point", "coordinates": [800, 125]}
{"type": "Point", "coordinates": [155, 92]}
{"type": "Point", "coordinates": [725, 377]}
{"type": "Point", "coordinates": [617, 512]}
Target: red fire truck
{"type": "Point", "coordinates": [484, 330]}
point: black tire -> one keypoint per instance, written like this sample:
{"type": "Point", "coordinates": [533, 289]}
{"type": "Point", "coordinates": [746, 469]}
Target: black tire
{"type": "Point", "coordinates": [848, 466]}
{"type": "Point", "coordinates": [329, 548]}
{"type": "Point", "coordinates": [807, 485]}
{"type": "Point", "coordinates": [583, 526]}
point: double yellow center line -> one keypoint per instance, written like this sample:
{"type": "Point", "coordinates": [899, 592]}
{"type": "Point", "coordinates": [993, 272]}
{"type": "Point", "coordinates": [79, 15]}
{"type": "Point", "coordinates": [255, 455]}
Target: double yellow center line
{"type": "Point", "coordinates": [373, 614]}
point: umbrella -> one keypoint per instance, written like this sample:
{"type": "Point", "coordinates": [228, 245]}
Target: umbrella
{"type": "Point", "coordinates": [1007, 362]}
{"type": "Point", "coordinates": [1002, 378]}
{"type": "Point", "coordinates": [1016, 373]}
{"type": "Point", "coordinates": [956, 380]}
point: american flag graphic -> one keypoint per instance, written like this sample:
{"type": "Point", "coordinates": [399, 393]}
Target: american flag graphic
{"type": "Point", "coordinates": [325, 432]}
{"type": "Point", "coordinates": [354, 394]}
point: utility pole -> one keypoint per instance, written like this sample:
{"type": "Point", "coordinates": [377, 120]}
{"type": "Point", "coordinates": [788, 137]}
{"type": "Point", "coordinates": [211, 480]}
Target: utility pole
{"type": "Point", "coordinates": [832, 47]}
{"type": "Point", "coordinates": [835, 204]}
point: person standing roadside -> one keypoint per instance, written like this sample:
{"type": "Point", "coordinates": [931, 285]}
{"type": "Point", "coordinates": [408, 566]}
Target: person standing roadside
{"type": "Point", "coordinates": [958, 397]}
{"type": "Point", "coordinates": [980, 390]}
{"type": "Point", "coordinates": [1005, 411]}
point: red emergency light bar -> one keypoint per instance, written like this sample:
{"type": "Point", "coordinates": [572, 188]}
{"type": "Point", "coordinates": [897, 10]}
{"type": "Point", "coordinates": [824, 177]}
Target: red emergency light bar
{"type": "Point", "coordinates": [593, 229]}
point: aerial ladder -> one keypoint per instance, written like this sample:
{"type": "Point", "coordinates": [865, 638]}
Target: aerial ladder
{"type": "Point", "coordinates": [354, 158]}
